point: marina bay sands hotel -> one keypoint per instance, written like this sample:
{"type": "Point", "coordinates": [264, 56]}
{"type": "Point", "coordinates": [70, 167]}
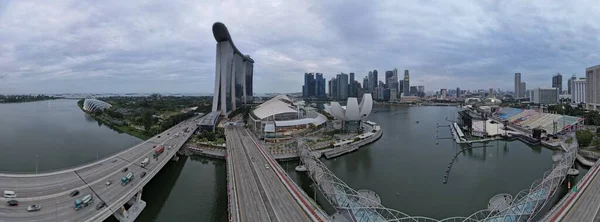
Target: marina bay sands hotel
{"type": "Point", "coordinates": [233, 74]}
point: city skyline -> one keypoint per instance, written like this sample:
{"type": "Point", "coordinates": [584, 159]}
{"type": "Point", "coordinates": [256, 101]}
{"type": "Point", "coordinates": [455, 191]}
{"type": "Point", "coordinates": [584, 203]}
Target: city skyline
{"type": "Point", "coordinates": [142, 47]}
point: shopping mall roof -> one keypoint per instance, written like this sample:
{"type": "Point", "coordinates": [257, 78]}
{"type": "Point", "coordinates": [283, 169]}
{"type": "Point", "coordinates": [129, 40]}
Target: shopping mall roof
{"type": "Point", "coordinates": [277, 105]}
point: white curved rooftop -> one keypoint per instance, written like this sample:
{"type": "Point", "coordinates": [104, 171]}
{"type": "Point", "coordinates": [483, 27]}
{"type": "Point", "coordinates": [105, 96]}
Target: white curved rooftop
{"type": "Point", "coordinates": [277, 105]}
{"type": "Point", "coordinates": [320, 119]}
{"type": "Point", "coordinates": [92, 105]}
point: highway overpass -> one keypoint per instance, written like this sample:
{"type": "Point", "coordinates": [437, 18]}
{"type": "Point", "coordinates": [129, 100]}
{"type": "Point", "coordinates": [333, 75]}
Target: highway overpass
{"type": "Point", "coordinates": [259, 189]}
{"type": "Point", "coordinates": [52, 190]}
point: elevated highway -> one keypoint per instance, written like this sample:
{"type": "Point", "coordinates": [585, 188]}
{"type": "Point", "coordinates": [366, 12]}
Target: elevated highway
{"type": "Point", "coordinates": [259, 189]}
{"type": "Point", "coordinates": [52, 190]}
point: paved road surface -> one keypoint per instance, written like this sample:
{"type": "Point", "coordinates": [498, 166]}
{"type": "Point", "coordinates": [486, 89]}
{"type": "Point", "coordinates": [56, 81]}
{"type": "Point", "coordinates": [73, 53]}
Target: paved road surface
{"type": "Point", "coordinates": [269, 199]}
{"type": "Point", "coordinates": [587, 206]}
{"type": "Point", "coordinates": [51, 190]}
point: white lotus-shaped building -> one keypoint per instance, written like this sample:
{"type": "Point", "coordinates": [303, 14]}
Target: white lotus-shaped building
{"type": "Point", "coordinates": [352, 111]}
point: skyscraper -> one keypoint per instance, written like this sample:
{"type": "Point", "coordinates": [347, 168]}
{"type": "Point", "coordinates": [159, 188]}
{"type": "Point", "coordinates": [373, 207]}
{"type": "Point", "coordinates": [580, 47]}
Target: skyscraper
{"type": "Point", "coordinates": [342, 86]}
{"type": "Point", "coordinates": [352, 86]}
{"type": "Point", "coordinates": [334, 88]}
{"type": "Point", "coordinates": [309, 87]}
{"type": "Point", "coordinates": [518, 93]}
{"type": "Point", "coordinates": [414, 91]}
{"type": "Point", "coordinates": [320, 85]}
{"type": "Point", "coordinates": [389, 78]}
{"type": "Point", "coordinates": [401, 87]}
{"type": "Point", "coordinates": [557, 82]}
{"type": "Point", "coordinates": [523, 90]}
{"type": "Point", "coordinates": [370, 81]}
{"type": "Point", "coordinates": [365, 84]}
{"type": "Point", "coordinates": [375, 79]}
{"type": "Point", "coordinates": [233, 73]}
{"type": "Point", "coordinates": [406, 83]}
{"type": "Point", "coordinates": [570, 83]}
{"type": "Point", "coordinates": [457, 92]}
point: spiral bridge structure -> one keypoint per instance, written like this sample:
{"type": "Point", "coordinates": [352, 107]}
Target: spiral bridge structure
{"type": "Point", "coordinates": [355, 207]}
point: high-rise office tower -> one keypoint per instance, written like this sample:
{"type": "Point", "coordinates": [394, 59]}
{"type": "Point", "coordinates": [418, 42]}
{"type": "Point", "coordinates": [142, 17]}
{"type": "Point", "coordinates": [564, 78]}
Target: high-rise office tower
{"type": "Point", "coordinates": [334, 88]}
{"type": "Point", "coordinates": [491, 93]}
{"type": "Point", "coordinates": [375, 79]}
{"type": "Point", "coordinates": [401, 87]}
{"type": "Point", "coordinates": [233, 73]}
{"type": "Point", "coordinates": [557, 82]}
{"type": "Point", "coordinates": [352, 86]}
{"type": "Point", "coordinates": [320, 85]}
{"type": "Point", "coordinates": [421, 91]}
{"type": "Point", "coordinates": [370, 82]}
{"type": "Point", "coordinates": [443, 93]}
{"type": "Point", "coordinates": [570, 83]}
{"type": "Point", "coordinates": [457, 92]}
{"type": "Point", "coordinates": [592, 87]}
{"type": "Point", "coordinates": [518, 93]}
{"type": "Point", "coordinates": [414, 91]}
{"type": "Point", "coordinates": [365, 85]}
{"type": "Point", "coordinates": [309, 87]}
{"type": "Point", "coordinates": [389, 78]}
{"type": "Point", "coordinates": [406, 86]}
{"type": "Point", "coordinates": [342, 86]}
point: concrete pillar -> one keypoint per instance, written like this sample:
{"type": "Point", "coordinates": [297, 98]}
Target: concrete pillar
{"type": "Point", "coordinates": [137, 205]}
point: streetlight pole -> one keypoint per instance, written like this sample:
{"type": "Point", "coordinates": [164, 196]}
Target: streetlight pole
{"type": "Point", "coordinates": [36, 162]}
{"type": "Point", "coordinates": [564, 117]}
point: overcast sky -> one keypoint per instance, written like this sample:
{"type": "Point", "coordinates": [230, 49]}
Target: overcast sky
{"type": "Point", "coordinates": [168, 46]}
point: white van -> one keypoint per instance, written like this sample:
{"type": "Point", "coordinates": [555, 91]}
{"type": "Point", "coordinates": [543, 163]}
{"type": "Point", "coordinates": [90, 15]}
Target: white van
{"type": "Point", "coordinates": [10, 194]}
{"type": "Point", "coordinates": [145, 162]}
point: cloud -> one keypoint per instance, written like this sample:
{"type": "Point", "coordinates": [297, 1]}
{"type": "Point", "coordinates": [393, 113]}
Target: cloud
{"type": "Point", "coordinates": [149, 46]}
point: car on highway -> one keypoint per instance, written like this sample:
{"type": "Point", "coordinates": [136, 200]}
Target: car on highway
{"type": "Point", "coordinates": [108, 183]}
{"type": "Point", "coordinates": [12, 203]}
{"type": "Point", "coordinates": [124, 170]}
{"type": "Point", "coordinates": [158, 136]}
{"type": "Point", "coordinates": [143, 174]}
{"type": "Point", "coordinates": [10, 194]}
{"type": "Point", "coordinates": [34, 207]}
{"type": "Point", "coordinates": [267, 166]}
{"type": "Point", "coordinates": [114, 161]}
{"type": "Point", "coordinates": [74, 193]}
{"type": "Point", "coordinates": [100, 205]}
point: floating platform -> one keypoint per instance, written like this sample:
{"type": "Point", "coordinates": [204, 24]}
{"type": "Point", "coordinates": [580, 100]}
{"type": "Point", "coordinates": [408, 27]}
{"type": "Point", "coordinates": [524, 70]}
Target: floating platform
{"type": "Point", "coordinates": [573, 172]}
{"type": "Point", "coordinates": [500, 202]}
{"type": "Point", "coordinates": [301, 168]}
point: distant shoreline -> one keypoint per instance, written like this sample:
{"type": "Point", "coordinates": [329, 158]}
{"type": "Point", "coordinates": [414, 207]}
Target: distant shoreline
{"type": "Point", "coordinates": [27, 101]}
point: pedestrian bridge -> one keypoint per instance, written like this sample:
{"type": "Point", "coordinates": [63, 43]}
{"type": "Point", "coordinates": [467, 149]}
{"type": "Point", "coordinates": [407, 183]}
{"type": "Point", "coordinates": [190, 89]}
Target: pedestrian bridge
{"type": "Point", "coordinates": [353, 206]}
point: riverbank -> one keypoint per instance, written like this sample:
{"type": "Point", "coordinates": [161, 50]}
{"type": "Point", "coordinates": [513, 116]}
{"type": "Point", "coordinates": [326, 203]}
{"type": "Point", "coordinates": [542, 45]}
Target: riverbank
{"type": "Point", "coordinates": [220, 153]}
{"type": "Point", "coordinates": [9, 100]}
{"type": "Point", "coordinates": [116, 127]}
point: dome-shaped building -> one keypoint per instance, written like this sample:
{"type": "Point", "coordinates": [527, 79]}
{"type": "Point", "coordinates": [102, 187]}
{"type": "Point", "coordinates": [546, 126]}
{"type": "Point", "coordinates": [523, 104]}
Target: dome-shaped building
{"type": "Point", "coordinates": [91, 104]}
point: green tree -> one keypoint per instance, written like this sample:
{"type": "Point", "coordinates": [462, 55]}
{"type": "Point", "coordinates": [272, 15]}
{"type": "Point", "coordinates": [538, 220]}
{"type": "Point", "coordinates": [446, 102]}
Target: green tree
{"type": "Point", "coordinates": [147, 120]}
{"type": "Point", "coordinates": [584, 137]}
